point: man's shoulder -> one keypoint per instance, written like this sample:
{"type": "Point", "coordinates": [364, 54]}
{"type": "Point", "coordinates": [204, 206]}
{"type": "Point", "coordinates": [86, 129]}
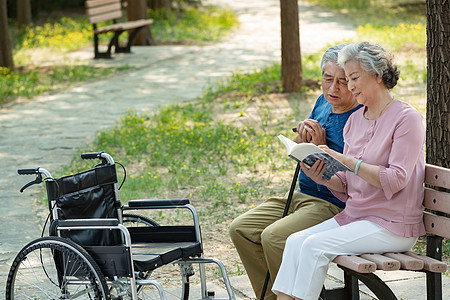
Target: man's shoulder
{"type": "Point", "coordinates": [321, 104]}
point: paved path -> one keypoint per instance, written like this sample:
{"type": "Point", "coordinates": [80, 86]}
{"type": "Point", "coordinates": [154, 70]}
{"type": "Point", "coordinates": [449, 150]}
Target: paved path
{"type": "Point", "coordinates": [46, 131]}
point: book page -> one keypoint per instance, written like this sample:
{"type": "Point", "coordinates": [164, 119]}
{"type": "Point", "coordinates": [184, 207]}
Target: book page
{"type": "Point", "coordinates": [299, 151]}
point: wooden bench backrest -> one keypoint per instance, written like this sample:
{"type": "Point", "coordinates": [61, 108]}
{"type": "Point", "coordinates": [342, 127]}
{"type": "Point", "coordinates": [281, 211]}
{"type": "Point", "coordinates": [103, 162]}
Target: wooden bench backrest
{"type": "Point", "coordinates": [103, 10]}
{"type": "Point", "coordinates": [437, 201]}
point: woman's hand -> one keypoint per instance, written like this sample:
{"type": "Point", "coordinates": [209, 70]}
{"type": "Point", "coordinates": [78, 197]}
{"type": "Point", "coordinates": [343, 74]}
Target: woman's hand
{"type": "Point", "coordinates": [339, 156]}
{"type": "Point", "coordinates": [315, 172]}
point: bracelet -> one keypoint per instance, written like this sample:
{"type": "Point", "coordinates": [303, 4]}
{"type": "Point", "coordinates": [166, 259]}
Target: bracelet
{"type": "Point", "coordinates": [357, 167]}
{"type": "Point", "coordinates": [326, 182]}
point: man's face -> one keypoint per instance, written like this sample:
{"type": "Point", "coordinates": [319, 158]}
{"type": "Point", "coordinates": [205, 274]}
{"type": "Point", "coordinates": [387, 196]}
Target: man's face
{"type": "Point", "coordinates": [334, 86]}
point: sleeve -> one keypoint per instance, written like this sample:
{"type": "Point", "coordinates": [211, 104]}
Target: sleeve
{"type": "Point", "coordinates": [341, 195]}
{"type": "Point", "coordinates": [407, 145]}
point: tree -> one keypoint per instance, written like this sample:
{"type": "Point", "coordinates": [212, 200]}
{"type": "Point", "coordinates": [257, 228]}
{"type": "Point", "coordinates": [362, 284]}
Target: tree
{"type": "Point", "coordinates": [137, 10]}
{"type": "Point", "coordinates": [6, 59]}
{"type": "Point", "coordinates": [23, 13]}
{"type": "Point", "coordinates": [291, 63]}
{"type": "Point", "coordinates": [438, 83]}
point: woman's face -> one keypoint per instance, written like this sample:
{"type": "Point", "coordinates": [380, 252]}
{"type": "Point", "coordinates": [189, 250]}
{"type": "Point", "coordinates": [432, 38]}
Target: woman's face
{"type": "Point", "coordinates": [363, 85]}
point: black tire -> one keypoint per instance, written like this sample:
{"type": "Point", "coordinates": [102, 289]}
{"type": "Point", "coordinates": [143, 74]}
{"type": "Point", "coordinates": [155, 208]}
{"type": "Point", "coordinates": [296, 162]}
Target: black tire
{"type": "Point", "coordinates": [133, 220]}
{"type": "Point", "coordinates": [55, 268]}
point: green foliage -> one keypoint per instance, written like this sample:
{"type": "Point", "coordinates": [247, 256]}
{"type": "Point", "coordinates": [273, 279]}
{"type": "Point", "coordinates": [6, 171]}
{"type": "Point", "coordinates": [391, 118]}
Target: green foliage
{"type": "Point", "coordinates": [252, 82]}
{"type": "Point", "coordinates": [378, 12]}
{"type": "Point", "coordinates": [63, 34]}
{"type": "Point", "coordinates": [208, 23]}
{"type": "Point", "coordinates": [29, 83]}
{"type": "Point", "coordinates": [397, 38]}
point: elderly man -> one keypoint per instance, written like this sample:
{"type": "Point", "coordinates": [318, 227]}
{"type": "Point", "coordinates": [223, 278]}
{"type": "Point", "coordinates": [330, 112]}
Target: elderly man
{"type": "Point", "coordinates": [260, 234]}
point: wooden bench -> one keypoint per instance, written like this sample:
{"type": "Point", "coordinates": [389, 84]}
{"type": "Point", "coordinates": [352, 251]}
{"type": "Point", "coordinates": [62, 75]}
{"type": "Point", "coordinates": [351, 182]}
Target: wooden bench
{"type": "Point", "coordinates": [111, 10]}
{"type": "Point", "coordinates": [437, 224]}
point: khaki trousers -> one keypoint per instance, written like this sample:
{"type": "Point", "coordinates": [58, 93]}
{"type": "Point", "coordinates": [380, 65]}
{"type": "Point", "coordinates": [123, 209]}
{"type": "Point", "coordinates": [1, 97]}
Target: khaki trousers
{"type": "Point", "coordinates": [260, 234]}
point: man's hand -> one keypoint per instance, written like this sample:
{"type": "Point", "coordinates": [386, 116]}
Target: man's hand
{"type": "Point", "coordinates": [310, 131]}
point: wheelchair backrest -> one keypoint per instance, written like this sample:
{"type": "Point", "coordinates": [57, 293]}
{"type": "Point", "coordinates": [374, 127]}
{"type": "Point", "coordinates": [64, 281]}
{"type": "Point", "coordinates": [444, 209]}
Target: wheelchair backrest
{"type": "Point", "coordinates": [85, 195]}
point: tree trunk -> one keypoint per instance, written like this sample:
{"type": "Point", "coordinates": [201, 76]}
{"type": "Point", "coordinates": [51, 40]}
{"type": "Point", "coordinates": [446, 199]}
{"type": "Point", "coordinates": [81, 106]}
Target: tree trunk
{"type": "Point", "coordinates": [23, 13]}
{"type": "Point", "coordinates": [137, 9]}
{"type": "Point", "coordinates": [438, 83]}
{"type": "Point", "coordinates": [291, 63]}
{"type": "Point", "coordinates": [6, 59]}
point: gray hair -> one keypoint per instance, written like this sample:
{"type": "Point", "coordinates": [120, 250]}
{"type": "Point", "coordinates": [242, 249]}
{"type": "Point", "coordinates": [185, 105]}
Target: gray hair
{"type": "Point", "coordinates": [331, 55]}
{"type": "Point", "coordinates": [374, 59]}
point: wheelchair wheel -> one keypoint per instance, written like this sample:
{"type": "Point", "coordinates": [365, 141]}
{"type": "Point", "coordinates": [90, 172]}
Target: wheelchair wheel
{"type": "Point", "coordinates": [55, 268]}
{"type": "Point", "coordinates": [132, 220]}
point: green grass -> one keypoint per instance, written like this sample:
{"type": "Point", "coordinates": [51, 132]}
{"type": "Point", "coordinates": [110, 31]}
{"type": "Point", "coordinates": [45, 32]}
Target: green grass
{"type": "Point", "coordinates": [208, 23]}
{"type": "Point", "coordinates": [29, 82]}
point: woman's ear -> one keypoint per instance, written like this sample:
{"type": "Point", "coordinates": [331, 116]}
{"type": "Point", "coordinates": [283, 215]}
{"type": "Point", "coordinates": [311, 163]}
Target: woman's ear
{"type": "Point", "coordinates": [379, 79]}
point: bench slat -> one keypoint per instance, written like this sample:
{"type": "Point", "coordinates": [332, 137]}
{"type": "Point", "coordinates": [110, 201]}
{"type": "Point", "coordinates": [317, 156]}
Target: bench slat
{"type": "Point", "coordinates": [356, 263]}
{"type": "Point", "coordinates": [436, 225]}
{"type": "Point", "coordinates": [124, 26]}
{"type": "Point", "coordinates": [92, 12]}
{"type": "Point", "coordinates": [435, 200]}
{"type": "Point", "coordinates": [383, 263]}
{"type": "Point", "coordinates": [437, 176]}
{"type": "Point", "coordinates": [407, 262]}
{"type": "Point", "coordinates": [430, 264]}
{"type": "Point", "coordinates": [94, 3]}
{"type": "Point", "coordinates": [105, 17]}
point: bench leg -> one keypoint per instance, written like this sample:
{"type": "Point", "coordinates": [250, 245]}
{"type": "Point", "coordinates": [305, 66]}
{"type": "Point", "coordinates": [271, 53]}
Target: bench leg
{"type": "Point", "coordinates": [131, 36]}
{"type": "Point", "coordinates": [351, 288]}
{"type": "Point", "coordinates": [113, 42]}
{"type": "Point", "coordinates": [97, 53]}
{"type": "Point", "coordinates": [434, 280]}
{"type": "Point", "coordinates": [350, 291]}
{"type": "Point", "coordinates": [374, 283]}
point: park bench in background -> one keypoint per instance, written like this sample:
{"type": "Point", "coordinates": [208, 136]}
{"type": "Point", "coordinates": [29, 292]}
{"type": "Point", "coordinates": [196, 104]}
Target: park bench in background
{"type": "Point", "coordinates": [437, 224]}
{"type": "Point", "coordinates": [111, 10]}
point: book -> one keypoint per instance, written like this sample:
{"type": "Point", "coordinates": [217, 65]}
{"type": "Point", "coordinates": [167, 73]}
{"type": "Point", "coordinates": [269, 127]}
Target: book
{"type": "Point", "coordinates": [309, 153]}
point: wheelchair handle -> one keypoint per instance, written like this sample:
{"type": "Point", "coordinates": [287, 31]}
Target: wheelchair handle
{"type": "Point", "coordinates": [37, 180]}
{"type": "Point", "coordinates": [104, 157]}
{"type": "Point", "coordinates": [28, 171]}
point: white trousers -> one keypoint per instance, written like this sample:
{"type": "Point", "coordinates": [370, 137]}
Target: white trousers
{"type": "Point", "coordinates": [308, 253]}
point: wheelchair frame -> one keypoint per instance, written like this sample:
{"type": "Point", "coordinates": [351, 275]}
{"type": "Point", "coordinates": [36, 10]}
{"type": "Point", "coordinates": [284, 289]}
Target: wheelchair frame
{"type": "Point", "coordinates": [88, 265]}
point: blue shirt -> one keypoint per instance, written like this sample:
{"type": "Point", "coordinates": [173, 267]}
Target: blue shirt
{"type": "Point", "coordinates": [333, 124]}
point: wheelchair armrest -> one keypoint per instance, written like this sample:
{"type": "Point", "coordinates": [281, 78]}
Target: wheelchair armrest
{"type": "Point", "coordinates": [87, 222]}
{"type": "Point", "coordinates": [147, 203]}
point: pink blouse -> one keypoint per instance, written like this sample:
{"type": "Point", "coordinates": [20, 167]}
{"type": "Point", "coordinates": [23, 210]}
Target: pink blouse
{"type": "Point", "coordinates": [394, 142]}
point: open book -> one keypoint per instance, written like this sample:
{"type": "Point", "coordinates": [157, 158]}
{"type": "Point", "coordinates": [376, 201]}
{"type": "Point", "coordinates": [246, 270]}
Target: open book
{"type": "Point", "coordinates": [308, 153]}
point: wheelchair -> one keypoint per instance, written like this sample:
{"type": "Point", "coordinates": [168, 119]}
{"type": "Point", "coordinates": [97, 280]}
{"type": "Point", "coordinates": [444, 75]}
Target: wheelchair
{"type": "Point", "coordinates": [97, 250]}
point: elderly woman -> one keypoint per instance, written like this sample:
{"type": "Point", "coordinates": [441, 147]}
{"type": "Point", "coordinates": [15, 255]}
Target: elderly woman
{"type": "Point", "coordinates": [383, 145]}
